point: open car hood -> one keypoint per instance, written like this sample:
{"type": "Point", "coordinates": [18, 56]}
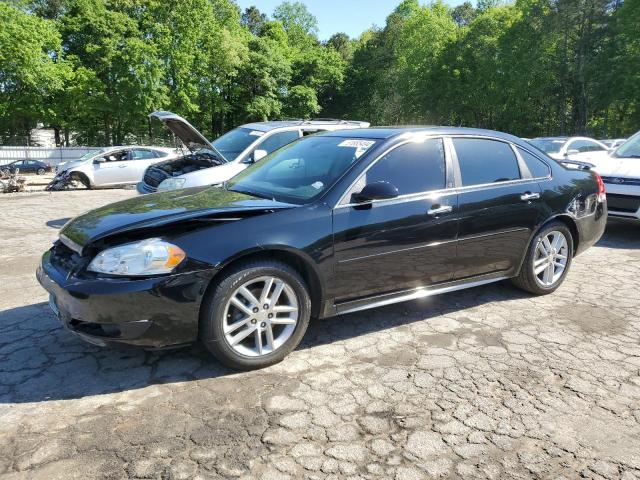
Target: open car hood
{"type": "Point", "coordinates": [160, 209]}
{"type": "Point", "coordinates": [186, 132]}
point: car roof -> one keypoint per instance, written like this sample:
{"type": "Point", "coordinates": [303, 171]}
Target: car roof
{"type": "Point", "coordinates": [118, 147]}
{"type": "Point", "coordinates": [563, 139]}
{"type": "Point", "coordinates": [321, 123]}
{"type": "Point", "coordinates": [381, 133]}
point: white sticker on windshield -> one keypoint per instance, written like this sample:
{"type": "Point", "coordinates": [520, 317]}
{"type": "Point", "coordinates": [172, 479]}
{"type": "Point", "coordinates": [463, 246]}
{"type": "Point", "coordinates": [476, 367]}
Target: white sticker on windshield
{"type": "Point", "coordinates": [317, 185]}
{"type": "Point", "coordinates": [361, 146]}
{"type": "Point", "coordinates": [256, 133]}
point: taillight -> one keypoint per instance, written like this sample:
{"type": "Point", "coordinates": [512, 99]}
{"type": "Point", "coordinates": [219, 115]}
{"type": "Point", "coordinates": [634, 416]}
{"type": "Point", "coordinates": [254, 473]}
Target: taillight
{"type": "Point", "coordinates": [602, 193]}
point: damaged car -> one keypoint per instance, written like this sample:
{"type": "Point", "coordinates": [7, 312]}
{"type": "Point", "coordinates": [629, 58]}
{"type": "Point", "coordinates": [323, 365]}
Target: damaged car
{"type": "Point", "coordinates": [334, 223]}
{"type": "Point", "coordinates": [211, 163]}
{"type": "Point", "coordinates": [109, 167]}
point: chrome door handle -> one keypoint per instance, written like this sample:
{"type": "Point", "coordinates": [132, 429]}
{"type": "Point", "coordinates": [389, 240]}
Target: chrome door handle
{"type": "Point", "coordinates": [440, 210]}
{"type": "Point", "coordinates": [525, 197]}
{"type": "Point", "coordinates": [121, 166]}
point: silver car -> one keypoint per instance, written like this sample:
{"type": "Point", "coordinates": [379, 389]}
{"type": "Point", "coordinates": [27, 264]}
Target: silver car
{"type": "Point", "coordinates": [113, 166]}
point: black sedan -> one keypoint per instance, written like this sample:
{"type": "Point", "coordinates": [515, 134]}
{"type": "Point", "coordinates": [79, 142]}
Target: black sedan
{"type": "Point", "coordinates": [333, 223]}
{"type": "Point", "coordinates": [26, 166]}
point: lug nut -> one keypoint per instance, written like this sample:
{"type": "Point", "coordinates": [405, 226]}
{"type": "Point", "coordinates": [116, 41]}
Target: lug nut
{"type": "Point", "coordinates": [254, 321]}
{"type": "Point", "coordinates": [263, 324]}
{"type": "Point", "coordinates": [255, 310]}
{"type": "Point", "coordinates": [270, 315]}
{"type": "Point", "coordinates": [265, 306]}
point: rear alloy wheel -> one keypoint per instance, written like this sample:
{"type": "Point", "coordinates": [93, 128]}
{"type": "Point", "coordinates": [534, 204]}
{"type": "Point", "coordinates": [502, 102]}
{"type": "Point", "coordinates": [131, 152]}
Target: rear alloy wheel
{"type": "Point", "coordinates": [551, 258]}
{"type": "Point", "coordinates": [256, 314]}
{"type": "Point", "coordinates": [40, 171]}
{"type": "Point", "coordinates": [547, 261]}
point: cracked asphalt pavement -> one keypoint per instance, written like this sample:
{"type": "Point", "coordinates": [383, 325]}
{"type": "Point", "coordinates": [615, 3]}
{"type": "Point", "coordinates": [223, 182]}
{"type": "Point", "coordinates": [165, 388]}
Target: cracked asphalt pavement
{"type": "Point", "coordinates": [485, 383]}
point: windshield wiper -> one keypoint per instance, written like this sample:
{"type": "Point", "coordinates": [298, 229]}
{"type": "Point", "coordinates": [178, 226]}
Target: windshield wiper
{"type": "Point", "coordinates": [253, 194]}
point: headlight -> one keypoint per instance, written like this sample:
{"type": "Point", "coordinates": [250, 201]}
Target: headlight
{"type": "Point", "coordinates": [171, 183]}
{"type": "Point", "coordinates": [148, 257]}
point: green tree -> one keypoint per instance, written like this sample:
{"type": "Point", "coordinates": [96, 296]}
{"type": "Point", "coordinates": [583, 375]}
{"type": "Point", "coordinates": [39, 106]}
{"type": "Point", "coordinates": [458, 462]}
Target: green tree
{"type": "Point", "coordinates": [30, 72]}
{"type": "Point", "coordinates": [342, 44]}
{"type": "Point", "coordinates": [463, 14]}
{"type": "Point", "coordinates": [298, 22]}
{"type": "Point", "coordinates": [253, 20]}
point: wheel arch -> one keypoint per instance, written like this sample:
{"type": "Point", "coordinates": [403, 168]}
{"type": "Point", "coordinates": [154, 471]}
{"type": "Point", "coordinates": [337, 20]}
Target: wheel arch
{"type": "Point", "coordinates": [563, 218]}
{"type": "Point", "coordinates": [296, 259]}
{"type": "Point", "coordinates": [82, 176]}
{"type": "Point", "coordinates": [571, 225]}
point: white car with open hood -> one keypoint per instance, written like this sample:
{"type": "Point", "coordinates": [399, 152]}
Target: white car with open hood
{"type": "Point", "coordinates": [211, 163]}
{"type": "Point", "coordinates": [620, 173]}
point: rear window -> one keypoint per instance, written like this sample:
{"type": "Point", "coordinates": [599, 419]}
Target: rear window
{"type": "Point", "coordinates": [485, 161]}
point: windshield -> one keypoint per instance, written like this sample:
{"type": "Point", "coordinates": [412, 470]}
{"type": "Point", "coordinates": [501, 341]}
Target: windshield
{"type": "Point", "coordinates": [547, 145]}
{"type": "Point", "coordinates": [629, 149]}
{"type": "Point", "coordinates": [301, 171]}
{"type": "Point", "coordinates": [234, 142]}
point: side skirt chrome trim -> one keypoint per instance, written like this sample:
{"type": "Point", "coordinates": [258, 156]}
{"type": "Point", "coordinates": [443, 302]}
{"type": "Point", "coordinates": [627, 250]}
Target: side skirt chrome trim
{"type": "Point", "coordinates": [413, 294]}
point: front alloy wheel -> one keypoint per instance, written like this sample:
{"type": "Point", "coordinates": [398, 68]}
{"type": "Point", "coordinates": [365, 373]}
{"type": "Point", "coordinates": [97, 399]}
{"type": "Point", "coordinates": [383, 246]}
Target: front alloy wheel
{"type": "Point", "coordinates": [255, 314]}
{"type": "Point", "coordinates": [260, 316]}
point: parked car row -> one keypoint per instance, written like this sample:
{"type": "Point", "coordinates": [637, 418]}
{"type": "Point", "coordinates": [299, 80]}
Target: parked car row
{"type": "Point", "coordinates": [341, 221]}
{"type": "Point", "coordinates": [155, 169]}
{"type": "Point", "coordinates": [619, 167]}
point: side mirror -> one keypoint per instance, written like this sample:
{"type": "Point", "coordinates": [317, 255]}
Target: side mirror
{"type": "Point", "coordinates": [99, 160]}
{"type": "Point", "coordinates": [571, 152]}
{"type": "Point", "coordinates": [259, 155]}
{"type": "Point", "coordinates": [376, 191]}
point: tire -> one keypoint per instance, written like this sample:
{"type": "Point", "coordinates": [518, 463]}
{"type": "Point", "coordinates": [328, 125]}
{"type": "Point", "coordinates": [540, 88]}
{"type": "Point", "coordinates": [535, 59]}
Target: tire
{"type": "Point", "coordinates": [82, 178]}
{"type": "Point", "coordinates": [40, 171]}
{"type": "Point", "coordinates": [540, 284]}
{"type": "Point", "coordinates": [218, 309]}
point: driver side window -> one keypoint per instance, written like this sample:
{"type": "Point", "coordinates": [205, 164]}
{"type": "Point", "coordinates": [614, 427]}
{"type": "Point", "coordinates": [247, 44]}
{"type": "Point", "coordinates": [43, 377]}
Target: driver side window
{"type": "Point", "coordinates": [411, 168]}
{"type": "Point", "coordinates": [116, 156]}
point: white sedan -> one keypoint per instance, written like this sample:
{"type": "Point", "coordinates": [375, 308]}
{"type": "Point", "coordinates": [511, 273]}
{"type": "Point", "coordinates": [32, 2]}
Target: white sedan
{"type": "Point", "coordinates": [621, 174]}
{"type": "Point", "coordinates": [582, 149]}
{"type": "Point", "coordinates": [112, 166]}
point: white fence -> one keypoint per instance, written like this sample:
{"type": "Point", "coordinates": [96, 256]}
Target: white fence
{"type": "Point", "coordinates": [50, 155]}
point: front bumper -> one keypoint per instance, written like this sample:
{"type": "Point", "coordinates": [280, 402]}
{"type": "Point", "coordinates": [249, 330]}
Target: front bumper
{"type": "Point", "coordinates": [623, 198]}
{"type": "Point", "coordinates": [144, 188]}
{"type": "Point", "coordinates": [150, 312]}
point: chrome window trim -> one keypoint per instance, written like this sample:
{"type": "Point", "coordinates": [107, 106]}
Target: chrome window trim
{"type": "Point", "coordinates": [549, 169]}
{"type": "Point", "coordinates": [443, 192]}
{"type": "Point", "coordinates": [453, 174]}
{"type": "Point", "coordinates": [414, 138]}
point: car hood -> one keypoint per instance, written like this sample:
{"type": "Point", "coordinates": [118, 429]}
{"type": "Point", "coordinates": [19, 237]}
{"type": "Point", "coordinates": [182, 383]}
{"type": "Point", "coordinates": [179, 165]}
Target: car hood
{"type": "Point", "coordinates": [186, 132]}
{"type": "Point", "coordinates": [618, 167]}
{"type": "Point", "coordinates": [161, 209]}
{"type": "Point", "coordinates": [72, 164]}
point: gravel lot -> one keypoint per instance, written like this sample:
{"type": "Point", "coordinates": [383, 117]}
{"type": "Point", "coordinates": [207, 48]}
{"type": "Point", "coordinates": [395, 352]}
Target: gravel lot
{"type": "Point", "coordinates": [486, 383]}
